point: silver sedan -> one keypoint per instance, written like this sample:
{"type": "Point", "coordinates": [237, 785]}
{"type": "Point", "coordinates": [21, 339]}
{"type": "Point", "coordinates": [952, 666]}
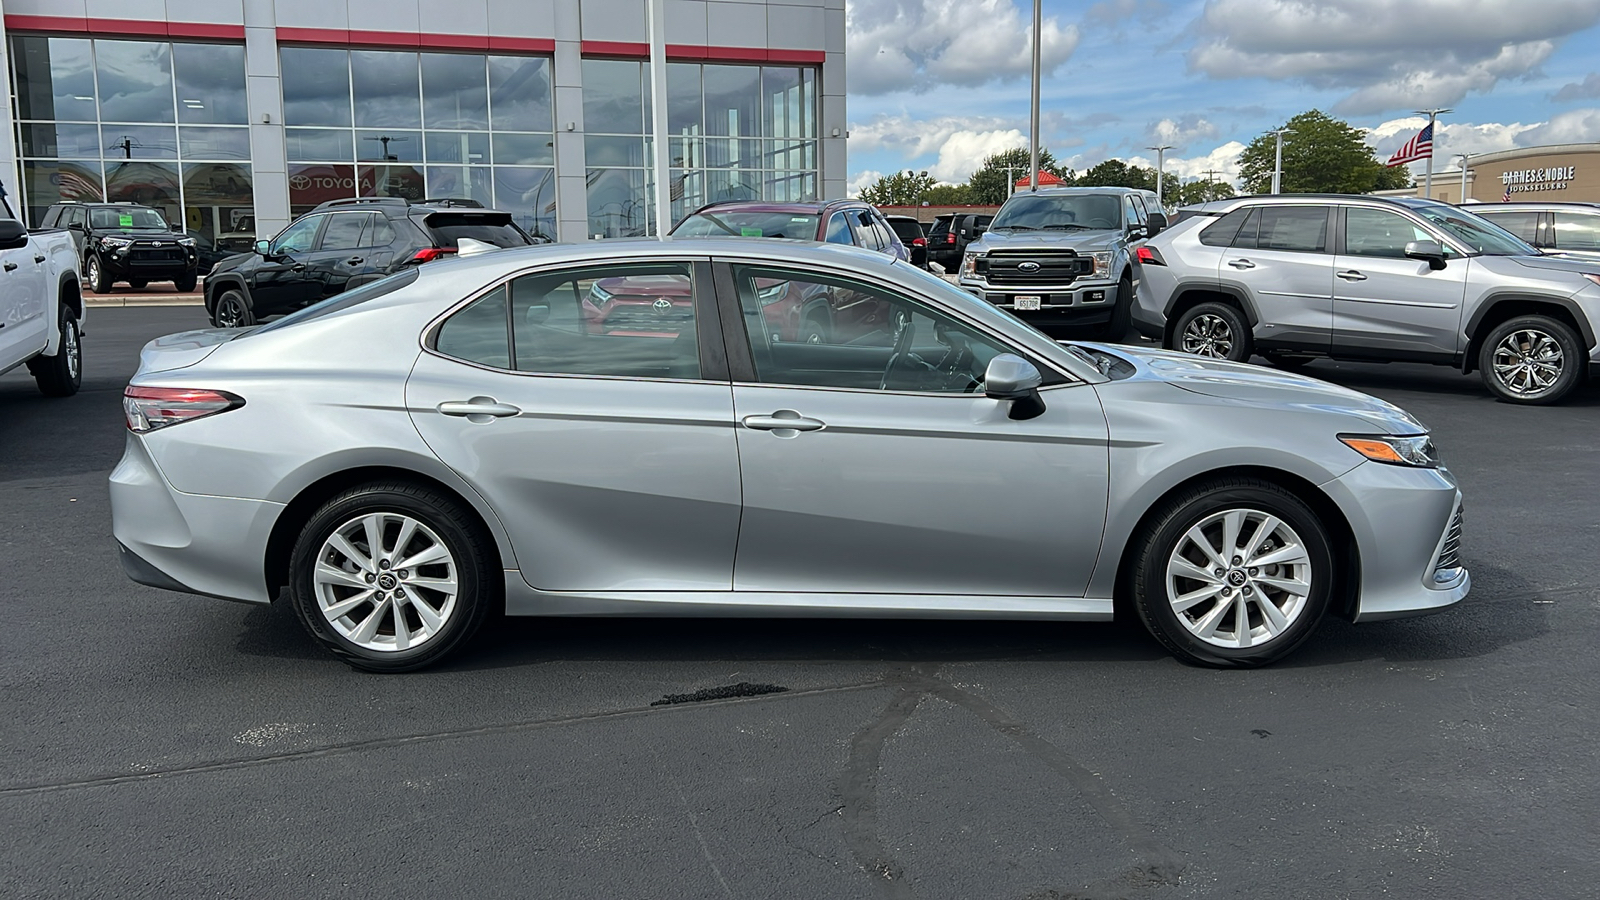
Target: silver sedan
{"type": "Point", "coordinates": [758, 428]}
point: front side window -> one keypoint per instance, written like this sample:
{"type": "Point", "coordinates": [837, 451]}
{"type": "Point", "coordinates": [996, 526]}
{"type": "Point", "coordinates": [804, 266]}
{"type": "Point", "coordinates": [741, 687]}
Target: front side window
{"type": "Point", "coordinates": [1377, 232]}
{"type": "Point", "coordinates": [1480, 234]}
{"type": "Point", "coordinates": [297, 237]}
{"type": "Point", "coordinates": [632, 320]}
{"type": "Point", "coordinates": [1577, 231]}
{"type": "Point", "coordinates": [1301, 229]}
{"type": "Point", "coordinates": [826, 331]}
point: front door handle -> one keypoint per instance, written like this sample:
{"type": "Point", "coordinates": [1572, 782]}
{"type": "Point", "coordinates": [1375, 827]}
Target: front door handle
{"type": "Point", "coordinates": [354, 261]}
{"type": "Point", "coordinates": [783, 423]}
{"type": "Point", "coordinates": [298, 267]}
{"type": "Point", "coordinates": [1351, 275]}
{"type": "Point", "coordinates": [478, 409]}
{"type": "Point", "coordinates": [38, 258]}
{"type": "Point", "coordinates": [1242, 264]}
{"type": "Point", "coordinates": [11, 267]}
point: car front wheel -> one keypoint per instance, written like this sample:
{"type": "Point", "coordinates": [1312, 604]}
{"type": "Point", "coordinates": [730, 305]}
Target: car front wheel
{"type": "Point", "coordinates": [95, 271]}
{"type": "Point", "coordinates": [393, 577]}
{"type": "Point", "coordinates": [1236, 573]}
{"type": "Point", "coordinates": [232, 311]}
{"type": "Point", "coordinates": [61, 375]}
{"type": "Point", "coordinates": [1532, 359]}
{"type": "Point", "coordinates": [1216, 330]}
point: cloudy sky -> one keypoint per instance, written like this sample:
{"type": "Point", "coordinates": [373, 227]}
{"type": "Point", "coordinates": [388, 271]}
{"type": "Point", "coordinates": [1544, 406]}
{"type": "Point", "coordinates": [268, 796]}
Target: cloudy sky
{"type": "Point", "coordinates": [937, 85]}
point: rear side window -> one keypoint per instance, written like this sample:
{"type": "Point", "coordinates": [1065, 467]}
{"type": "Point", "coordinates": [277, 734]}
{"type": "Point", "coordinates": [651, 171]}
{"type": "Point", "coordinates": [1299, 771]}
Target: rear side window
{"type": "Point", "coordinates": [447, 229]}
{"type": "Point", "coordinates": [343, 231]}
{"type": "Point", "coordinates": [379, 233]}
{"type": "Point", "coordinates": [838, 230]}
{"type": "Point", "coordinates": [1295, 228]}
{"type": "Point", "coordinates": [478, 333]}
{"type": "Point", "coordinates": [1521, 223]}
{"type": "Point", "coordinates": [1577, 231]}
{"type": "Point", "coordinates": [1222, 232]}
{"type": "Point", "coordinates": [941, 227]}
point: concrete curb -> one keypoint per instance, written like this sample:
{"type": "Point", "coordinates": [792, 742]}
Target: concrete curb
{"type": "Point", "coordinates": [147, 300]}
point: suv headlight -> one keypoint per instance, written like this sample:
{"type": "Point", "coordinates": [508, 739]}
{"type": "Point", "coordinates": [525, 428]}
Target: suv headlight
{"type": "Point", "coordinates": [598, 295]}
{"type": "Point", "coordinates": [1102, 264]}
{"type": "Point", "coordinates": [1395, 450]}
{"type": "Point", "coordinates": [110, 241]}
{"type": "Point", "coordinates": [969, 264]}
{"type": "Point", "coordinates": [772, 293]}
{"type": "Point", "coordinates": [186, 242]}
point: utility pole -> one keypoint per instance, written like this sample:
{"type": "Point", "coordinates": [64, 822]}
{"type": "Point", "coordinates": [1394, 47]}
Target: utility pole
{"type": "Point", "coordinates": [1433, 137]}
{"type": "Point", "coordinates": [1011, 181]}
{"type": "Point", "coordinates": [1463, 157]}
{"type": "Point", "coordinates": [1033, 113]}
{"type": "Point", "coordinates": [1277, 167]}
{"type": "Point", "coordinates": [1161, 158]}
{"type": "Point", "coordinates": [1211, 183]}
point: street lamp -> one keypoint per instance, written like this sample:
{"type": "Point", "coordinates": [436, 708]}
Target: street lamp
{"type": "Point", "coordinates": [1033, 112]}
{"type": "Point", "coordinates": [1463, 157]}
{"type": "Point", "coordinates": [1433, 117]}
{"type": "Point", "coordinates": [1277, 166]}
{"type": "Point", "coordinates": [1161, 156]}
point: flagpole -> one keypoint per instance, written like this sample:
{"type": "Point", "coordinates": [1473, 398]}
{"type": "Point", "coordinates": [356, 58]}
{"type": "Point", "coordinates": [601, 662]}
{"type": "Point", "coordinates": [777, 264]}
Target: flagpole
{"type": "Point", "coordinates": [1433, 138]}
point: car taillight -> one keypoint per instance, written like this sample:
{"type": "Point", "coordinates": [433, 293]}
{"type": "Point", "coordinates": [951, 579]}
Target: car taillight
{"type": "Point", "coordinates": [150, 408]}
{"type": "Point", "coordinates": [1149, 256]}
{"type": "Point", "coordinates": [950, 238]}
{"type": "Point", "coordinates": [919, 242]}
{"type": "Point", "coordinates": [429, 254]}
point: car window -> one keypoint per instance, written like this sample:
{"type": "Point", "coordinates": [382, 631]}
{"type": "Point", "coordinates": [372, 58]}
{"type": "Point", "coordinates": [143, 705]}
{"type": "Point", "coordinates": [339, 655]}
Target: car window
{"type": "Point", "coordinates": [735, 222]}
{"type": "Point", "coordinates": [1130, 213]}
{"type": "Point", "coordinates": [78, 216]}
{"type": "Point", "coordinates": [1296, 228]}
{"type": "Point", "coordinates": [379, 233]}
{"type": "Point", "coordinates": [1139, 209]}
{"type": "Point", "coordinates": [861, 224]}
{"type": "Point", "coordinates": [1577, 231]}
{"type": "Point", "coordinates": [51, 216]}
{"type": "Point", "coordinates": [941, 227]}
{"type": "Point", "coordinates": [1522, 223]}
{"type": "Point", "coordinates": [1378, 232]}
{"type": "Point", "coordinates": [298, 236]}
{"type": "Point", "coordinates": [906, 229]}
{"type": "Point", "coordinates": [343, 231]}
{"type": "Point", "coordinates": [447, 229]}
{"type": "Point", "coordinates": [1222, 232]}
{"type": "Point", "coordinates": [825, 331]}
{"type": "Point", "coordinates": [479, 332]}
{"type": "Point", "coordinates": [838, 230]}
{"type": "Point", "coordinates": [880, 226]}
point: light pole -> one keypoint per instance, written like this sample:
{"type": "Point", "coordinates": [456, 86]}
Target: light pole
{"type": "Point", "coordinates": [1277, 167]}
{"type": "Point", "coordinates": [1033, 112]}
{"type": "Point", "coordinates": [1161, 158]}
{"type": "Point", "coordinates": [1463, 157]}
{"type": "Point", "coordinates": [1433, 117]}
{"type": "Point", "coordinates": [660, 162]}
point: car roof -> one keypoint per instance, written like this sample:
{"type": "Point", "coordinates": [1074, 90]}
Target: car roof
{"type": "Point", "coordinates": [1535, 204]}
{"type": "Point", "coordinates": [1077, 189]}
{"type": "Point", "coordinates": [811, 206]}
{"type": "Point", "coordinates": [902, 218]}
{"type": "Point", "coordinates": [625, 249]}
{"type": "Point", "coordinates": [1222, 206]}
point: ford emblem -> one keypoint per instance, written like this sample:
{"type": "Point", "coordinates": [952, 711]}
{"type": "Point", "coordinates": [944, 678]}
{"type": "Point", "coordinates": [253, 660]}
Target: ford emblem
{"type": "Point", "coordinates": [1030, 267]}
{"type": "Point", "coordinates": [662, 304]}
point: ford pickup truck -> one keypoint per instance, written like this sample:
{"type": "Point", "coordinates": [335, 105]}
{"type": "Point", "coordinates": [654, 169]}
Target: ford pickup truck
{"type": "Point", "coordinates": [41, 304]}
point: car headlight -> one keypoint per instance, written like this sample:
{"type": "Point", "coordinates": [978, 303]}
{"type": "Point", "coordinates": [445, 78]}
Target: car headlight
{"type": "Point", "coordinates": [186, 242]}
{"type": "Point", "coordinates": [598, 294]}
{"type": "Point", "coordinates": [109, 241]}
{"type": "Point", "coordinates": [1102, 264]}
{"type": "Point", "coordinates": [772, 293]}
{"type": "Point", "coordinates": [969, 264]}
{"type": "Point", "coordinates": [1395, 450]}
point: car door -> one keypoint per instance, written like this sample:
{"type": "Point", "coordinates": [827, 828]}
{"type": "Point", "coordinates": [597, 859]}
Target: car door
{"type": "Point", "coordinates": [337, 255]}
{"type": "Point", "coordinates": [593, 413]}
{"type": "Point", "coordinates": [897, 475]}
{"type": "Point", "coordinates": [1279, 259]}
{"type": "Point", "coordinates": [1387, 305]}
{"type": "Point", "coordinates": [23, 301]}
{"type": "Point", "coordinates": [279, 281]}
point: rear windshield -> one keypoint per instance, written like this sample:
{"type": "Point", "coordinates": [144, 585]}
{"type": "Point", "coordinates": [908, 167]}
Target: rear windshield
{"type": "Point", "coordinates": [447, 229]}
{"type": "Point", "coordinates": [748, 223]}
{"type": "Point", "coordinates": [126, 218]}
{"type": "Point", "coordinates": [940, 226]}
{"type": "Point", "coordinates": [344, 301]}
{"type": "Point", "coordinates": [908, 231]}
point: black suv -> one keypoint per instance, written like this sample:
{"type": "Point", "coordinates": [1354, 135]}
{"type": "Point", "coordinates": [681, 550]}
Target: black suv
{"type": "Point", "coordinates": [126, 242]}
{"type": "Point", "coordinates": [344, 244]}
{"type": "Point", "coordinates": [949, 236]}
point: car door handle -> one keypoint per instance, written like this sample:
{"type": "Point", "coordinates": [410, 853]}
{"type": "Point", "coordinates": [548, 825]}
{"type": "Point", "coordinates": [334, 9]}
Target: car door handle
{"type": "Point", "coordinates": [354, 261]}
{"type": "Point", "coordinates": [1351, 275]}
{"type": "Point", "coordinates": [298, 267]}
{"type": "Point", "coordinates": [11, 267]}
{"type": "Point", "coordinates": [1242, 264]}
{"type": "Point", "coordinates": [478, 406]}
{"type": "Point", "coordinates": [39, 258]}
{"type": "Point", "coordinates": [782, 420]}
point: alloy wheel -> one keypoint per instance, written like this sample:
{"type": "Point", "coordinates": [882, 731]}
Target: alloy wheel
{"type": "Point", "coordinates": [71, 347]}
{"type": "Point", "coordinates": [386, 582]}
{"type": "Point", "coordinates": [1239, 578]}
{"type": "Point", "coordinates": [227, 314]}
{"type": "Point", "coordinates": [1528, 362]}
{"type": "Point", "coordinates": [1208, 335]}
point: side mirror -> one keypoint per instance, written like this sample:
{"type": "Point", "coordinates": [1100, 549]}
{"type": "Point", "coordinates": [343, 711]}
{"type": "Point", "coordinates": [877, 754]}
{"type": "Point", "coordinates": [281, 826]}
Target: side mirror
{"type": "Point", "coordinates": [1157, 223]}
{"type": "Point", "coordinates": [13, 235]}
{"type": "Point", "coordinates": [264, 248]}
{"type": "Point", "coordinates": [537, 313]}
{"type": "Point", "coordinates": [1010, 377]}
{"type": "Point", "coordinates": [1430, 251]}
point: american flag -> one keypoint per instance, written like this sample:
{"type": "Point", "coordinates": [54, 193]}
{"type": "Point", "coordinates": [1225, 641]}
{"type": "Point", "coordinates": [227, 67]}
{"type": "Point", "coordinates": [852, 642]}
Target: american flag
{"type": "Point", "coordinates": [1419, 147]}
{"type": "Point", "coordinates": [1506, 197]}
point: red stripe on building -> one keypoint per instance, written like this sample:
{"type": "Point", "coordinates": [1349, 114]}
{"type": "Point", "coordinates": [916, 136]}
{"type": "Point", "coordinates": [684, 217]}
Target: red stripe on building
{"type": "Point", "coordinates": [125, 27]}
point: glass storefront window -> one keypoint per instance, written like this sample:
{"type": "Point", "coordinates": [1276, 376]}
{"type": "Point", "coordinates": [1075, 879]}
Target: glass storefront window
{"type": "Point", "coordinates": [389, 146]}
{"type": "Point", "coordinates": [218, 202]}
{"type": "Point", "coordinates": [454, 92]}
{"type": "Point", "coordinates": [613, 97]}
{"type": "Point", "coordinates": [50, 140]}
{"type": "Point", "coordinates": [316, 86]}
{"type": "Point", "coordinates": [392, 181]}
{"type": "Point", "coordinates": [214, 143]}
{"type": "Point", "coordinates": [44, 183]}
{"type": "Point", "coordinates": [54, 79]}
{"type": "Point", "coordinates": [619, 203]}
{"type": "Point", "coordinates": [139, 141]}
{"type": "Point", "coordinates": [310, 185]}
{"type": "Point", "coordinates": [524, 150]}
{"type": "Point", "coordinates": [470, 182]}
{"type": "Point", "coordinates": [519, 93]}
{"type": "Point", "coordinates": [733, 100]}
{"type": "Point", "coordinates": [529, 194]}
{"type": "Point", "coordinates": [210, 81]}
{"type": "Point", "coordinates": [134, 80]}
{"type": "Point", "coordinates": [685, 99]}
{"type": "Point", "coordinates": [147, 184]}
{"type": "Point", "coordinates": [385, 89]}
{"type": "Point", "coordinates": [456, 147]}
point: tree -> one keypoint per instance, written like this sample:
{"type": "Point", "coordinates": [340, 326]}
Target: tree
{"type": "Point", "coordinates": [1195, 192]}
{"type": "Point", "coordinates": [1323, 155]}
{"type": "Point", "coordinates": [992, 183]}
{"type": "Point", "coordinates": [947, 195]}
{"type": "Point", "coordinates": [1116, 173]}
{"type": "Point", "coordinates": [906, 188]}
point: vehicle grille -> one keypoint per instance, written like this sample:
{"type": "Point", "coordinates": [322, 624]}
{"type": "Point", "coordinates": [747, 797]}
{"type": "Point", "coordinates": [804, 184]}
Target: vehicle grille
{"type": "Point", "coordinates": [1450, 554]}
{"type": "Point", "coordinates": [648, 318]}
{"type": "Point", "coordinates": [1054, 267]}
{"type": "Point", "coordinates": [157, 256]}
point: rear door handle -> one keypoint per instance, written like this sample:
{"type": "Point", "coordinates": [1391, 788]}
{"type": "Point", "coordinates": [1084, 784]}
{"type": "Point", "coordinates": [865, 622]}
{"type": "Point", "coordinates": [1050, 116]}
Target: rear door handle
{"type": "Point", "coordinates": [1351, 275]}
{"type": "Point", "coordinates": [781, 421]}
{"type": "Point", "coordinates": [39, 258]}
{"type": "Point", "coordinates": [1242, 264]}
{"type": "Point", "coordinates": [11, 267]}
{"type": "Point", "coordinates": [354, 261]}
{"type": "Point", "coordinates": [478, 409]}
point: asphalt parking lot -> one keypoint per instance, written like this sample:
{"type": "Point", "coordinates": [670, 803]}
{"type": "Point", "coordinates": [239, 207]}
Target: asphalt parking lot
{"type": "Point", "coordinates": [162, 745]}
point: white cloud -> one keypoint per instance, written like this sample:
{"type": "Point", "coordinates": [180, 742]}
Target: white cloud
{"type": "Point", "coordinates": [901, 45]}
{"type": "Point", "coordinates": [1179, 133]}
{"type": "Point", "coordinates": [861, 181]}
{"type": "Point", "coordinates": [1572, 127]}
{"type": "Point", "coordinates": [1390, 55]}
{"type": "Point", "coordinates": [1587, 89]}
{"type": "Point", "coordinates": [959, 144]}
{"type": "Point", "coordinates": [965, 151]}
{"type": "Point", "coordinates": [1450, 137]}
{"type": "Point", "coordinates": [1222, 163]}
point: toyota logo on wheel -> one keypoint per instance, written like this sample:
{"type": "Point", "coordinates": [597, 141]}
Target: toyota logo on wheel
{"type": "Point", "coordinates": [1030, 267]}
{"type": "Point", "coordinates": [662, 304]}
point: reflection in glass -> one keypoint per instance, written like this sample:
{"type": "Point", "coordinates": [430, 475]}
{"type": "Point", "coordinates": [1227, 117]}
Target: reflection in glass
{"type": "Point", "coordinates": [135, 81]}
{"type": "Point", "coordinates": [619, 203]}
{"type": "Point", "coordinates": [529, 194]}
{"type": "Point", "coordinates": [614, 151]}
{"type": "Point", "coordinates": [147, 184]}
{"type": "Point", "coordinates": [391, 181]}
{"type": "Point", "coordinates": [140, 142]}
{"type": "Point", "coordinates": [314, 184]}
{"type": "Point", "coordinates": [782, 106]}
{"type": "Point", "coordinates": [454, 92]}
{"type": "Point", "coordinates": [316, 86]}
{"type": "Point", "coordinates": [519, 93]}
{"type": "Point", "coordinates": [217, 202]}
{"type": "Point", "coordinates": [311, 144]}
{"type": "Point", "coordinates": [470, 182]}
{"type": "Point", "coordinates": [44, 183]}
{"type": "Point", "coordinates": [54, 78]}
{"type": "Point", "coordinates": [389, 145]}
{"type": "Point", "coordinates": [733, 100]}
{"type": "Point", "coordinates": [210, 83]}
{"type": "Point", "coordinates": [199, 142]}
{"type": "Point", "coordinates": [385, 89]}
{"type": "Point", "coordinates": [53, 141]}
{"type": "Point", "coordinates": [685, 102]}
{"type": "Point", "coordinates": [524, 149]}
{"type": "Point", "coordinates": [613, 97]}
{"type": "Point", "coordinates": [456, 146]}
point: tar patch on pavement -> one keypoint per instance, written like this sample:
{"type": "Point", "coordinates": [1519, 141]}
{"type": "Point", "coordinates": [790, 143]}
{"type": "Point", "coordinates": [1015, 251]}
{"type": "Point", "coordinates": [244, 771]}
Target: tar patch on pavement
{"type": "Point", "coordinates": [742, 689]}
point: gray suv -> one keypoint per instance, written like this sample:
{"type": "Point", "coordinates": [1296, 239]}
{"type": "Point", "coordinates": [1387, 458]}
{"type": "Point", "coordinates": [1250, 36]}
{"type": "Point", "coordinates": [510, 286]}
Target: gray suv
{"type": "Point", "coordinates": [1295, 277]}
{"type": "Point", "coordinates": [1566, 229]}
{"type": "Point", "coordinates": [1061, 257]}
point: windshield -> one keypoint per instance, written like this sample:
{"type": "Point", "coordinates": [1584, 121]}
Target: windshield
{"type": "Point", "coordinates": [748, 223]}
{"type": "Point", "coordinates": [1475, 231]}
{"type": "Point", "coordinates": [1058, 212]}
{"type": "Point", "coordinates": [126, 218]}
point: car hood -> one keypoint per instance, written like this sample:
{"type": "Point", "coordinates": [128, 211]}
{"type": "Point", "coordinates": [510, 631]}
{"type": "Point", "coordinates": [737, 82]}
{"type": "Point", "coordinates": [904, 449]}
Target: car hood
{"type": "Point", "coordinates": [1566, 265]}
{"type": "Point", "coordinates": [1259, 386]}
{"type": "Point", "coordinates": [231, 262]}
{"type": "Point", "coordinates": [1081, 241]}
{"type": "Point", "coordinates": [177, 351]}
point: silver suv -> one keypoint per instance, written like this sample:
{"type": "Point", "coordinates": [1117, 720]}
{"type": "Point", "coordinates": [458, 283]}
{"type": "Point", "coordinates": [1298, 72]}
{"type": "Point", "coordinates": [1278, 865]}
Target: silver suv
{"type": "Point", "coordinates": [1566, 229]}
{"type": "Point", "coordinates": [1061, 257]}
{"type": "Point", "coordinates": [1295, 277]}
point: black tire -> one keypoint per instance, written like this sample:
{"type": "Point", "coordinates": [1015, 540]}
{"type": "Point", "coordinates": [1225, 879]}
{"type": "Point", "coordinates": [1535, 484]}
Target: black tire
{"type": "Point", "coordinates": [1220, 332]}
{"type": "Point", "coordinates": [1116, 327]}
{"type": "Point", "coordinates": [1159, 539]}
{"type": "Point", "coordinates": [1531, 340]}
{"type": "Point", "coordinates": [137, 284]}
{"type": "Point", "coordinates": [186, 283]}
{"type": "Point", "coordinates": [1289, 363]}
{"type": "Point", "coordinates": [95, 271]}
{"type": "Point", "coordinates": [61, 375]}
{"type": "Point", "coordinates": [477, 572]}
{"type": "Point", "coordinates": [232, 310]}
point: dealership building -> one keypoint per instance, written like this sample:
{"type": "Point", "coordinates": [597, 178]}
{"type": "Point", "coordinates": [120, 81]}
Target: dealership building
{"type": "Point", "coordinates": [234, 116]}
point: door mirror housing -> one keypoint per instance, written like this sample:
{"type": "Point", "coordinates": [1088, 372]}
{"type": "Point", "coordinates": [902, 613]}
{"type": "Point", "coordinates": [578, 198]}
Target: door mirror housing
{"type": "Point", "coordinates": [971, 230]}
{"type": "Point", "coordinates": [1010, 377]}
{"type": "Point", "coordinates": [13, 235]}
{"type": "Point", "coordinates": [1157, 223]}
{"type": "Point", "coordinates": [264, 248]}
{"type": "Point", "coordinates": [1430, 251]}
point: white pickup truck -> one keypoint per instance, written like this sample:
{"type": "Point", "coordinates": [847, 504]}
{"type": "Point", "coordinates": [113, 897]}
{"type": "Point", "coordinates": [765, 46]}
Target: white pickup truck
{"type": "Point", "coordinates": [41, 305]}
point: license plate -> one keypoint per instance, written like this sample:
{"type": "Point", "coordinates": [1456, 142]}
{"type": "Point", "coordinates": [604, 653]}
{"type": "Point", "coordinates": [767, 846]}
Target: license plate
{"type": "Point", "coordinates": [1025, 302]}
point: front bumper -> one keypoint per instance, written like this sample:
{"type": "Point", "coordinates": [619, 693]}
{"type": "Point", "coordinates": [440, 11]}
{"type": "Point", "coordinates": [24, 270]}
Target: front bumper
{"type": "Point", "coordinates": [188, 542]}
{"type": "Point", "coordinates": [123, 266]}
{"type": "Point", "coordinates": [1402, 518]}
{"type": "Point", "coordinates": [1081, 301]}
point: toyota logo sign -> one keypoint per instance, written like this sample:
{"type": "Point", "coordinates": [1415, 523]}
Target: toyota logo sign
{"type": "Point", "coordinates": [662, 304]}
{"type": "Point", "coordinates": [1030, 267]}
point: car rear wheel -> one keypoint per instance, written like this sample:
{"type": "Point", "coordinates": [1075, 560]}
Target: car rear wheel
{"type": "Point", "coordinates": [1216, 330]}
{"type": "Point", "coordinates": [1236, 573]}
{"type": "Point", "coordinates": [815, 330]}
{"type": "Point", "coordinates": [186, 283]}
{"type": "Point", "coordinates": [95, 271]}
{"type": "Point", "coordinates": [1532, 359]}
{"type": "Point", "coordinates": [232, 311]}
{"type": "Point", "coordinates": [137, 284]}
{"type": "Point", "coordinates": [61, 375]}
{"type": "Point", "coordinates": [393, 577]}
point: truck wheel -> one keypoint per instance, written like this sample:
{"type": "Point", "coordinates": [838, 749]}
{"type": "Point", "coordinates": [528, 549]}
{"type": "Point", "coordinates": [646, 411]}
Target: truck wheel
{"type": "Point", "coordinates": [95, 271]}
{"type": "Point", "coordinates": [1114, 329]}
{"type": "Point", "coordinates": [61, 375]}
{"type": "Point", "coordinates": [1531, 359]}
{"type": "Point", "coordinates": [232, 311]}
{"type": "Point", "coordinates": [1216, 330]}
{"type": "Point", "coordinates": [185, 284]}
{"type": "Point", "coordinates": [137, 283]}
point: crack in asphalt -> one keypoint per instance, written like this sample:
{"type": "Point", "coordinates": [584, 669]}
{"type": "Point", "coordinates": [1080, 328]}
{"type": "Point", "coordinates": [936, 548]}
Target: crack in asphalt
{"type": "Point", "coordinates": [858, 788]}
